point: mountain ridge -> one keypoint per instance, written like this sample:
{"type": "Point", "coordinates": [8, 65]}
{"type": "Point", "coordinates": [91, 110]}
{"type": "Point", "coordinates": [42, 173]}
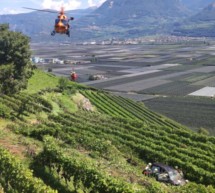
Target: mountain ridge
{"type": "Point", "coordinates": [196, 5]}
{"type": "Point", "coordinates": [201, 24]}
{"type": "Point", "coordinates": [113, 19]}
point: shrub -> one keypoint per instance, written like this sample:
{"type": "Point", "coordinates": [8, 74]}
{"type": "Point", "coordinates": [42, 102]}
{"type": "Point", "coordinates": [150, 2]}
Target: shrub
{"type": "Point", "coordinates": [5, 111]}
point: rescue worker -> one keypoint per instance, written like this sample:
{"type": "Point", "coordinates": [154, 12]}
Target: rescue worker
{"type": "Point", "coordinates": [147, 171]}
{"type": "Point", "coordinates": [74, 76]}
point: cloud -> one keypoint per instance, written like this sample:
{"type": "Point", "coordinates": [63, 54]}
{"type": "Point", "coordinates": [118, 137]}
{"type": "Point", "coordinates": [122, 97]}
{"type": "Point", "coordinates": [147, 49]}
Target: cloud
{"type": "Point", "coordinates": [57, 4]}
{"type": "Point", "coordinates": [97, 3]}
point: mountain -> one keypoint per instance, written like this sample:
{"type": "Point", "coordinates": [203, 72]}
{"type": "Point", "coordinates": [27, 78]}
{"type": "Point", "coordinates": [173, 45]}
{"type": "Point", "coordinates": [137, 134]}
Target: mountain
{"type": "Point", "coordinates": [196, 5]}
{"type": "Point", "coordinates": [114, 18]}
{"type": "Point", "coordinates": [134, 18]}
{"type": "Point", "coordinates": [206, 15]}
{"type": "Point", "coordinates": [201, 24]}
{"type": "Point", "coordinates": [114, 12]}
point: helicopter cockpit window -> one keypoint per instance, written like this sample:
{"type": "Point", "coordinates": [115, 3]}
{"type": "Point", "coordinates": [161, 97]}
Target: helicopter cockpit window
{"type": "Point", "coordinates": [64, 21]}
{"type": "Point", "coordinates": [57, 21]}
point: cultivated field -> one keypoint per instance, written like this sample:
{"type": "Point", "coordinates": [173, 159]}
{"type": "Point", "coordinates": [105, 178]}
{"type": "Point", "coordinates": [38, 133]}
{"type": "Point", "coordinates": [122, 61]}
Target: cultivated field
{"type": "Point", "coordinates": [141, 72]}
{"type": "Point", "coordinates": [195, 112]}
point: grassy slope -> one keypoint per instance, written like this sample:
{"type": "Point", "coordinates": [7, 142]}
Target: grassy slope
{"type": "Point", "coordinates": [115, 163]}
{"type": "Point", "coordinates": [41, 80]}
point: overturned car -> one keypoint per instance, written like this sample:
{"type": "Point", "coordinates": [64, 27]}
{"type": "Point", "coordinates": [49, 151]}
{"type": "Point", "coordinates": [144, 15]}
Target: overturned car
{"type": "Point", "coordinates": [165, 173]}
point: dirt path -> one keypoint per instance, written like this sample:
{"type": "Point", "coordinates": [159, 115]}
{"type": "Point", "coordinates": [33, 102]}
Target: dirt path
{"type": "Point", "coordinates": [16, 144]}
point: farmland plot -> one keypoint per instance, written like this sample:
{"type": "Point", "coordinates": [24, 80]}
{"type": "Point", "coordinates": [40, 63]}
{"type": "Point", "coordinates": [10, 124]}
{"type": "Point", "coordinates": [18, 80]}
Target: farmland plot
{"type": "Point", "coordinates": [194, 112]}
{"type": "Point", "coordinates": [173, 89]}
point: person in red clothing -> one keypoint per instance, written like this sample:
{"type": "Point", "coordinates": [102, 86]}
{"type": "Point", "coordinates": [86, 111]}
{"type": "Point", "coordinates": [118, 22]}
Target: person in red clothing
{"type": "Point", "coordinates": [74, 76]}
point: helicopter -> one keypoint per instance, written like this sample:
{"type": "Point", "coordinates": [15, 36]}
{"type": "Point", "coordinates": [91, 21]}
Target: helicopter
{"type": "Point", "coordinates": [61, 22]}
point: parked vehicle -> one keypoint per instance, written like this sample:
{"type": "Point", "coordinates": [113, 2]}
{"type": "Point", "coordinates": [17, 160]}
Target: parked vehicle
{"type": "Point", "coordinates": [165, 173]}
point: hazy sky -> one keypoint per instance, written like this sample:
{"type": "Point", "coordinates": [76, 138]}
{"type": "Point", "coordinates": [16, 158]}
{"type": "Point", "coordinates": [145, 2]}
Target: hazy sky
{"type": "Point", "coordinates": [15, 6]}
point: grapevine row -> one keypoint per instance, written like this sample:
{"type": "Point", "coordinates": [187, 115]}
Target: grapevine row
{"type": "Point", "coordinates": [134, 142]}
{"type": "Point", "coordinates": [18, 178]}
{"type": "Point", "coordinates": [81, 170]}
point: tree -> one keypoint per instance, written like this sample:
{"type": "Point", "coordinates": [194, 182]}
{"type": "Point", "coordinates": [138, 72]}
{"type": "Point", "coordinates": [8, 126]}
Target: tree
{"type": "Point", "coordinates": [4, 27]}
{"type": "Point", "coordinates": [15, 64]}
{"type": "Point", "coordinates": [7, 82]}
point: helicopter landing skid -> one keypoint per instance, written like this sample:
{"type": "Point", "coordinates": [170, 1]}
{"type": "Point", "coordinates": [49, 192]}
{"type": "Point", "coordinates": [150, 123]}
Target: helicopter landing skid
{"type": "Point", "coordinates": [53, 33]}
{"type": "Point", "coordinates": [68, 33]}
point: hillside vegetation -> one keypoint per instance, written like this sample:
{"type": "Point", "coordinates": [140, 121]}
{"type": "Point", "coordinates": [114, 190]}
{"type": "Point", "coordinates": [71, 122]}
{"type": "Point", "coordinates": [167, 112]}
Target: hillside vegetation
{"type": "Point", "coordinates": [15, 65]}
{"type": "Point", "coordinates": [66, 137]}
{"type": "Point", "coordinates": [200, 24]}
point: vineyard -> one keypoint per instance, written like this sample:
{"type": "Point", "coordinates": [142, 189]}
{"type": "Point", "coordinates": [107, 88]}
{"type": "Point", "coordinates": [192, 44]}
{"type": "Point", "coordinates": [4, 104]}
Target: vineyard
{"type": "Point", "coordinates": [186, 110]}
{"type": "Point", "coordinates": [16, 178]}
{"type": "Point", "coordinates": [99, 151]}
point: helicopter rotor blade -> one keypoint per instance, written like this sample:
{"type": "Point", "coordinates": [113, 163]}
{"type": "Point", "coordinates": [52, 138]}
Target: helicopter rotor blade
{"type": "Point", "coordinates": [43, 10]}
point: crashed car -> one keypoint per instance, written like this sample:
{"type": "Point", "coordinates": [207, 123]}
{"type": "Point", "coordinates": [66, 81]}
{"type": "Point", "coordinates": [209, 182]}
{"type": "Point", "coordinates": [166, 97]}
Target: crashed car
{"type": "Point", "coordinates": [166, 174]}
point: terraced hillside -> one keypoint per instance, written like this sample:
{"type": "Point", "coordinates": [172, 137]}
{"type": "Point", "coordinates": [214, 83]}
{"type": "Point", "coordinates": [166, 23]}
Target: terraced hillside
{"type": "Point", "coordinates": [78, 139]}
